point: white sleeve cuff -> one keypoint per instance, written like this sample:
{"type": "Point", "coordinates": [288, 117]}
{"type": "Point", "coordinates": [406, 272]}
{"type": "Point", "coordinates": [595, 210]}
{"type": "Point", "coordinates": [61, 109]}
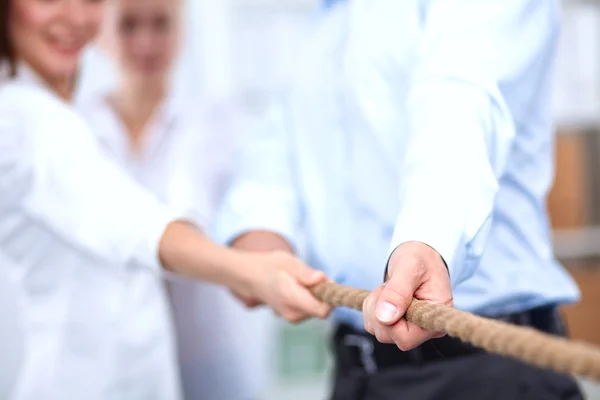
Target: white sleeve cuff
{"type": "Point", "coordinates": [458, 235]}
{"type": "Point", "coordinates": [446, 244]}
{"type": "Point", "coordinates": [152, 225]}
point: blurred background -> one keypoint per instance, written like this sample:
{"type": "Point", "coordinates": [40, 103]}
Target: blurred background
{"type": "Point", "coordinates": [239, 53]}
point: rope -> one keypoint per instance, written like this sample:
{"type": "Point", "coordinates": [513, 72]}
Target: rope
{"type": "Point", "coordinates": [526, 344]}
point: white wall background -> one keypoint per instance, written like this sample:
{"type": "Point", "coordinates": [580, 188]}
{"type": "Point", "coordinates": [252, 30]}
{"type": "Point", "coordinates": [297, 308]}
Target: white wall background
{"type": "Point", "coordinates": [577, 79]}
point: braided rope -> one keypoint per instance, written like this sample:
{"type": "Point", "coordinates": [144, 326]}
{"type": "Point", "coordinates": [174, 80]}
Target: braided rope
{"type": "Point", "coordinates": [526, 344]}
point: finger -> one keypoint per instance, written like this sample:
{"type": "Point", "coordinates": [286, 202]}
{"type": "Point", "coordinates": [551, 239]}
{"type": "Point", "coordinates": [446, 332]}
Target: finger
{"type": "Point", "coordinates": [393, 301]}
{"type": "Point", "coordinates": [407, 335]}
{"type": "Point", "coordinates": [302, 272]}
{"type": "Point", "coordinates": [398, 292]}
{"type": "Point", "coordinates": [306, 303]}
{"type": "Point", "coordinates": [249, 302]}
{"type": "Point", "coordinates": [367, 314]}
{"type": "Point", "coordinates": [314, 278]}
{"type": "Point", "coordinates": [368, 309]}
{"type": "Point", "coordinates": [253, 303]}
{"type": "Point", "coordinates": [383, 334]}
{"type": "Point", "coordinates": [291, 314]}
{"type": "Point", "coordinates": [295, 317]}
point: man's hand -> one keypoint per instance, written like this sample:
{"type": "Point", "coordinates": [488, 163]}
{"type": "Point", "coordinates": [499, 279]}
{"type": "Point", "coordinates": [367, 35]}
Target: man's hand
{"type": "Point", "coordinates": [259, 241]}
{"type": "Point", "coordinates": [417, 271]}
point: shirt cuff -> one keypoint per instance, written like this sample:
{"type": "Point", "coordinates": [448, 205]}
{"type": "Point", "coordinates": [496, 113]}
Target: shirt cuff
{"type": "Point", "coordinates": [457, 233]}
{"type": "Point", "coordinates": [442, 231]}
{"type": "Point", "coordinates": [152, 225]}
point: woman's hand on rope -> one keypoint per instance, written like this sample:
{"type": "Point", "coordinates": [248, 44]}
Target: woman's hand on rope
{"type": "Point", "coordinates": [417, 271]}
{"type": "Point", "coordinates": [281, 280]}
{"type": "Point", "coordinates": [258, 241]}
{"type": "Point", "coordinates": [284, 280]}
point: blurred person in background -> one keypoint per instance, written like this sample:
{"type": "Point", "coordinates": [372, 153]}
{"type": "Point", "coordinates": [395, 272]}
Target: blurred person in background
{"type": "Point", "coordinates": [84, 245]}
{"type": "Point", "coordinates": [416, 144]}
{"type": "Point", "coordinates": [182, 151]}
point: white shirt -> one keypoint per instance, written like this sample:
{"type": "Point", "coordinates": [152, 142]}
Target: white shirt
{"type": "Point", "coordinates": [98, 73]}
{"type": "Point", "coordinates": [416, 120]}
{"type": "Point", "coordinates": [186, 160]}
{"type": "Point", "coordinates": [11, 335]}
{"type": "Point", "coordinates": [79, 240]}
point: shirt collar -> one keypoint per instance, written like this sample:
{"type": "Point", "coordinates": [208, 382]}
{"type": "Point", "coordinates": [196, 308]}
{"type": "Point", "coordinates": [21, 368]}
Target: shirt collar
{"type": "Point", "coordinates": [26, 75]}
{"type": "Point", "coordinates": [161, 128]}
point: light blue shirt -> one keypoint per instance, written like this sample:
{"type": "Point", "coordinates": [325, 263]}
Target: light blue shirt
{"type": "Point", "coordinates": [416, 120]}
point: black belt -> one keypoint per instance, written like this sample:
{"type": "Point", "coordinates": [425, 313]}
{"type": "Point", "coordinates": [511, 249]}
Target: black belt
{"type": "Point", "coordinates": [359, 349]}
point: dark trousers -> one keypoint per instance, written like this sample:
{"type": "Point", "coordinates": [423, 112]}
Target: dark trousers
{"type": "Point", "coordinates": [445, 369]}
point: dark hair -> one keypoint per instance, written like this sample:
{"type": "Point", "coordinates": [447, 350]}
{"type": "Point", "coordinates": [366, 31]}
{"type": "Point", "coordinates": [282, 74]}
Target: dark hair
{"type": "Point", "coordinates": [6, 49]}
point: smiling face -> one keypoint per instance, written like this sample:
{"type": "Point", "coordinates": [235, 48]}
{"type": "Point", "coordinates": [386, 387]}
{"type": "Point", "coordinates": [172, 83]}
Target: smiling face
{"type": "Point", "coordinates": [50, 35]}
{"type": "Point", "coordinates": [147, 38]}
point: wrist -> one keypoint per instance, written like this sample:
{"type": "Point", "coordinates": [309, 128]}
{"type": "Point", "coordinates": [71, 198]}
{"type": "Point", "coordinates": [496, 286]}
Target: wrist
{"type": "Point", "coordinates": [239, 272]}
{"type": "Point", "coordinates": [187, 251]}
{"type": "Point", "coordinates": [425, 255]}
{"type": "Point", "coordinates": [262, 241]}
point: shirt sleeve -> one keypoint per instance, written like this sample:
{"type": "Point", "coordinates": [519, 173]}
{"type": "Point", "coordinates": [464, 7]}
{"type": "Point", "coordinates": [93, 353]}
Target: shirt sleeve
{"type": "Point", "coordinates": [53, 172]}
{"type": "Point", "coordinates": [481, 66]}
{"type": "Point", "coordinates": [262, 194]}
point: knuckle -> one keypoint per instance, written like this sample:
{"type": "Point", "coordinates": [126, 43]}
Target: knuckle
{"type": "Point", "coordinates": [402, 340]}
{"type": "Point", "coordinates": [299, 319]}
{"type": "Point", "coordinates": [317, 312]}
{"type": "Point", "coordinates": [368, 326]}
{"type": "Point", "coordinates": [296, 318]}
{"type": "Point", "coordinates": [287, 314]}
{"type": "Point", "coordinates": [368, 303]}
{"type": "Point", "coordinates": [324, 312]}
{"type": "Point", "coordinates": [382, 336]}
{"type": "Point", "coordinates": [290, 299]}
{"type": "Point", "coordinates": [377, 292]}
{"type": "Point", "coordinates": [394, 294]}
{"type": "Point", "coordinates": [403, 345]}
{"type": "Point", "coordinates": [287, 305]}
{"type": "Point", "coordinates": [406, 342]}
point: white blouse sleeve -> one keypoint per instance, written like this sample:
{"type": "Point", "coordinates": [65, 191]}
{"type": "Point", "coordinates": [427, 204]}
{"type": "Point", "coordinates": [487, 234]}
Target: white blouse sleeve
{"type": "Point", "coordinates": [54, 175]}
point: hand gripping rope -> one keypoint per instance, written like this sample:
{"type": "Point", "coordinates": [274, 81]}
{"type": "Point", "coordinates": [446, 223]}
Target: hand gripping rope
{"type": "Point", "coordinates": [526, 344]}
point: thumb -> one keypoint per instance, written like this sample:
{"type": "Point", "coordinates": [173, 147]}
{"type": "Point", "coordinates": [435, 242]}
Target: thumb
{"type": "Point", "coordinates": [394, 300]}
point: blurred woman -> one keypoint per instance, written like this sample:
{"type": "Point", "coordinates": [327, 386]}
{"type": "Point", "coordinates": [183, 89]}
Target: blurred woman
{"type": "Point", "coordinates": [84, 244]}
{"type": "Point", "coordinates": [183, 153]}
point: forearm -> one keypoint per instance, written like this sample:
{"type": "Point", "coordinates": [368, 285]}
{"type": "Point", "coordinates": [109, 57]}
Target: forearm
{"type": "Point", "coordinates": [185, 250]}
{"type": "Point", "coordinates": [262, 241]}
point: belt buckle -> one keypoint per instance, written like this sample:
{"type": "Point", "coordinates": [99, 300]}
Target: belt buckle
{"type": "Point", "coordinates": [366, 349]}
